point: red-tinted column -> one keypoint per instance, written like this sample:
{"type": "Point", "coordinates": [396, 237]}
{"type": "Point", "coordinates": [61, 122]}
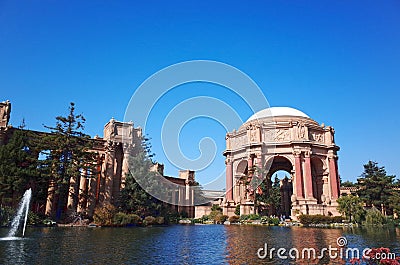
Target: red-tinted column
{"type": "Point", "coordinates": [308, 176]}
{"type": "Point", "coordinates": [334, 177]}
{"type": "Point", "coordinates": [299, 177]}
{"type": "Point", "coordinates": [229, 180]}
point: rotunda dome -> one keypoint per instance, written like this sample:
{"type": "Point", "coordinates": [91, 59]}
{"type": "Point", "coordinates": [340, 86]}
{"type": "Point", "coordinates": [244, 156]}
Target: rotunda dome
{"type": "Point", "coordinates": [277, 112]}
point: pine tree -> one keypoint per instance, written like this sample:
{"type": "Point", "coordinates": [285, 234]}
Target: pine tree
{"type": "Point", "coordinates": [144, 202]}
{"type": "Point", "coordinates": [18, 170]}
{"type": "Point", "coordinates": [376, 187]}
{"type": "Point", "coordinates": [133, 198]}
{"type": "Point", "coordinates": [271, 195]}
{"type": "Point", "coordinates": [67, 158]}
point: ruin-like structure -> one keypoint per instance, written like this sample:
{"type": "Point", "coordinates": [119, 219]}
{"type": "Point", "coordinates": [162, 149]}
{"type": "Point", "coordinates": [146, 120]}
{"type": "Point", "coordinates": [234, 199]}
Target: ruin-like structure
{"type": "Point", "coordinates": [282, 138]}
{"type": "Point", "coordinates": [119, 143]}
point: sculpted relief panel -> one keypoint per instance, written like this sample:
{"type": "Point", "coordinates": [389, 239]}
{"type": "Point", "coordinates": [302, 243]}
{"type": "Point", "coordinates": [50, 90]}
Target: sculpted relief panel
{"type": "Point", "coordinates": [277, 135]}
{"type": "Point", "coordinates": [238, 141]}
{"type": "Point", "coordinates": [317, 136]}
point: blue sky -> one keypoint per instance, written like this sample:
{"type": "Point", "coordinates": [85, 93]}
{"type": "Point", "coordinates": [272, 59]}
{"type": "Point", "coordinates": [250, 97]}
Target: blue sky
{"type": "Point", "coordinates": [337, 61]}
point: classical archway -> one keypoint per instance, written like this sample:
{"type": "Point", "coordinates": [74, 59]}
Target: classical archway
{"type": "Point", "coordinates": [274, 193]}
{"type": "Point", "coordinates": [282, 138]}
{"type": "Point", "coordinates": [317, 171]}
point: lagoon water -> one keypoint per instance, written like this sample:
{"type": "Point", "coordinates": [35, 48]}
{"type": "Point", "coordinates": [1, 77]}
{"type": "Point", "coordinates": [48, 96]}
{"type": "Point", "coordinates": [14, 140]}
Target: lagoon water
{"type": "Point", "coordinates": [180, 244]}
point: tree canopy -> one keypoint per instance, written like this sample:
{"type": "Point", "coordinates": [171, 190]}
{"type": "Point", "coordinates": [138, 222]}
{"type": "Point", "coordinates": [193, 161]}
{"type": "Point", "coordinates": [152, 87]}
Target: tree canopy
{"type": "Point", "coordinates": [18, 167]}
{"type": "Point", "coordinates": [376, 188]}
{"type": "Point", "coordinates": [352, 207]}
{"type": "Point", "coordinates": [67, 157]}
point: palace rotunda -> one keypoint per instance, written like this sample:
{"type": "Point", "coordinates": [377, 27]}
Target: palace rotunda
{"type": "Point", "coordinates": [276, 139]}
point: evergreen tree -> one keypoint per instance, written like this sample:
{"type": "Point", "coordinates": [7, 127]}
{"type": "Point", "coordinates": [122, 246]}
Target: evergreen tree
{"type": "Point", "coordinates": [351, 207]}
{"type": "Point", "coordinates": [18, 170]}
{"type": "Point", "coordinates": [271, 196]}
{"type": "Point", "coordinates": [376, 187]}
{"type": "Point", "coordinates": [134, 199]}
{"type": "Point", "coordinates": [348, 184]}
{"type": "Point", "coordinates": [68, 157]}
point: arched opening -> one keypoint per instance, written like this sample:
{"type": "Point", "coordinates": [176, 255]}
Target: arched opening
{"type": "Point", "coordinates": [239, 181]}
{"type": "Point", "coordinates": [274, 193]}
{"type": "Point", "coordinates": [317, 173]}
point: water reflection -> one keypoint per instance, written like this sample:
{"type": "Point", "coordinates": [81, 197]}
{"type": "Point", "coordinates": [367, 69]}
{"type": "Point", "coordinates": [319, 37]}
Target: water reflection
{"type": "Point", "coordinates": [244, 242]}
{"type": "Point", "coordinates": [200, 244]}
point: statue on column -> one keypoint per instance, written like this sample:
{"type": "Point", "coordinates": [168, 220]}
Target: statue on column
{"type": "Point", "coordinates": [331, 135]}
{"type": "Point", "coordinates": [301, 130]}
{"type": "Point", "coordinates": [5, 111]}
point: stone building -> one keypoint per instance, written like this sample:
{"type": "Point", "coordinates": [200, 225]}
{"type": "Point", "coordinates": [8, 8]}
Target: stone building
{"type": "Point", "coordinates": [119, 143]}
{"type": "Point", "coordinates": [282, 138]}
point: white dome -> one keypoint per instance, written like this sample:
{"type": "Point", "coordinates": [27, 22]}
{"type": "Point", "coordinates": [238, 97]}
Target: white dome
{"type": "Point", "coordinates": [277, 111]}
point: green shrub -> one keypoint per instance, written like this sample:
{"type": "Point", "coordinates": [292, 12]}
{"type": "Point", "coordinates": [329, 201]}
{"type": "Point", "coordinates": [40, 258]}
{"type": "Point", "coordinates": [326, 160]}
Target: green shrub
{"type": "Point", "coordinates": [244, 217]}
{"type": "Point", "coordinates": [374, 217]}
{"type": "Point", "coordinates": [172, 218]}
{"type": "Point", "coordinates": [205, 218]}
{"type": "Point", "coordinates": [216, 207]}
{"type": "Point", "coordinates": [120, 219]}
{"type": "Point", "coordinates": [270, 220]}
{"type": "Point", "coordinates": [273, 221]}
{"type": "Point", "coordinates": [220, 218]}
{"type": "Point", "coordinates": [104, 215]}
{"type": "Point", "coordinates": [198, 220]}
{"type": "Point", "coordinates": [160, 220]}
{"type": "Point", "coordinates": [125, 219]}
{"type": "Point", "coordinates": [149, 220]}
{"type": "Point", "coordinates": [35, 219]}
{"type": "Point", "coordinates": [183, 215]}
{"type": "Point", "coordinates": [6, 214]}
{"type": "Point", "coordinates": [237, 210]}
{"type": "Point", "coordinates": [234, 219]}
{"type": "Point", "coordinates": [337, 219]}
{"type": "Point", "coordinates": [253, 216]}
{"type": "Point", "coordinates": [319, 219]}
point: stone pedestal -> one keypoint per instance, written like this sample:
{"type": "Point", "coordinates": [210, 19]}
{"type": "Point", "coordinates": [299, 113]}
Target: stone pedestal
{"type": "Point", "coordinates": [229, 208]}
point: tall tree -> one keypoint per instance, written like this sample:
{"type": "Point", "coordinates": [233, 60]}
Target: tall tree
{"type": "Point", "coordinates": [67, 158]}
{"type": "Point", "coordinates": [133, 198]}
{"type": "Point", "coordinates": [271, 195]}
{"type": "Point", "coordinates": [18, 170]}
{"type": "Point", "coordinates": [376, 187]}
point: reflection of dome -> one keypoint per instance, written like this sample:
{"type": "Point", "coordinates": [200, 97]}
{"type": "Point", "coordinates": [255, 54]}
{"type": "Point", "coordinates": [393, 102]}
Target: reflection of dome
{"type": "Point", "coordinates": [277, 111]}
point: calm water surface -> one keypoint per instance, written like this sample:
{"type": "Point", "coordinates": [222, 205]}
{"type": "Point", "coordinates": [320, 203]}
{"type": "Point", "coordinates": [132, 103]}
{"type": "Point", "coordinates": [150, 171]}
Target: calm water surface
{"type": "Point", "coordinates": [199, 244]}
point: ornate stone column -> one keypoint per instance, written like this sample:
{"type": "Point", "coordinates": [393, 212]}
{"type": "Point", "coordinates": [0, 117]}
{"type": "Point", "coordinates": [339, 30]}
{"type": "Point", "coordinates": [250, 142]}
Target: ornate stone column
{"type": "Point", "coordinates": [236, 189]}
{"type": "Point", "coordinates": [50, 209]}
{"type": "Point", "coordinates": [308, 175]}
{"type": "Point", "coordinates": [109, 171]}
{"type": "Point", "coordinates": [229, 179]}
{"type": "Point", "coordinates": [187, 192]}
{"type": "Point", "coordinates": [127, 153]}
{"type": "Point", "coordinates": [250, 162]}
{"type": "Point", "coordinates": [92, 191]}
{"type": "Point", "coordinates": [298, 174]}
{"type": "Point", "coordinates": [82, 195]}
{"type": "Point", "coordinates": [73, 193]}
{"type": "Point", "coordinates": [334, 178]}
{"type": "Point", "coordinates": [250, 173]}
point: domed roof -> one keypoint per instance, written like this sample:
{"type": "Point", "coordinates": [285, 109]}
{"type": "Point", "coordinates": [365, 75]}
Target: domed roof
{"type": "Point", "coordinates": [277, 111]}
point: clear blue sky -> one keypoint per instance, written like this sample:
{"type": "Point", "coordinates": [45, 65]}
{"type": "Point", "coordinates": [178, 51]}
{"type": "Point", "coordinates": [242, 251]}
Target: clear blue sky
{"type": "Point", "coordinates": [337, 61]}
